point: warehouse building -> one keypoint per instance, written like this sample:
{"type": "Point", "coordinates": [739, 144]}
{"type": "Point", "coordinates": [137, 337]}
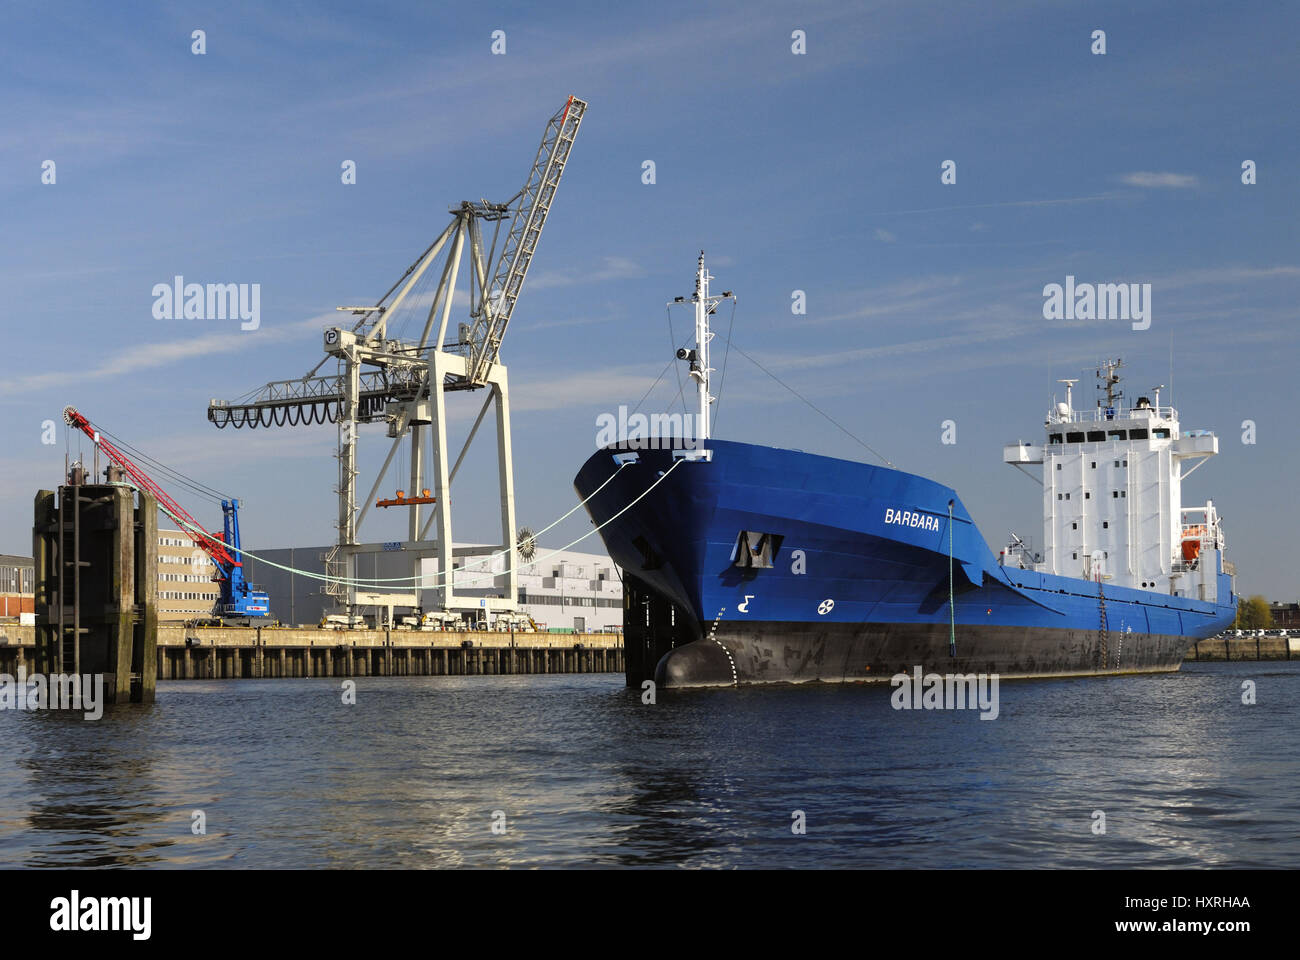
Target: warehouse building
{"type": "Point", "coordinates": [17, 585]}
{"type": "Point", "coordinates": [562, 591]}
{"type": "Point", "coordinates": [185, 586]}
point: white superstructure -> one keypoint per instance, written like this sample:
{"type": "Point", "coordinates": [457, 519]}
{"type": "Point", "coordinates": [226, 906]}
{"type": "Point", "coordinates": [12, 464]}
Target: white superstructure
{"type": "Point", "coordinates": [1112, 497]}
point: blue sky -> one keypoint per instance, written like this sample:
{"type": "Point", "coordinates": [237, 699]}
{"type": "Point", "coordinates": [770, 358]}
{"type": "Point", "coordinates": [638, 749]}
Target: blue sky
{"type": "Point", "coordinates": [818, 172]}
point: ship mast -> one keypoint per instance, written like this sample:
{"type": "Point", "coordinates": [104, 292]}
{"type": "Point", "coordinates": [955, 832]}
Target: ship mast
{"type": "Point", "coordinates": [1108, 380]}
{"type": "Point", "coordinates": [705, 306]}
{"type": "Point", "coordinates": [701, 370]}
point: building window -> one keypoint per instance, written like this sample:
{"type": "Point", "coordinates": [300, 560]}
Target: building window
{"type": "Point", "coordinates": [1114, 494]}
{"type": "Point", "coordinates": [1074, 556]}
{"type": "Point", "coordinates": [1058, 466]}
{"type": "Point", "coordinates": [1087, 496]}
{"type": "Point", "coordinates": [1074, 526]}
{"type": "Point", "coordinates": [1094, 464]}
{"type": "Point", "coordinates": [1123, 493]}
{"type": "Point", "coordinates": [1105, 524]}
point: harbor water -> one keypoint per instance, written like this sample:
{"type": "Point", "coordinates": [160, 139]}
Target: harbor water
{"type": "Point", "coordinates": [575, 770]}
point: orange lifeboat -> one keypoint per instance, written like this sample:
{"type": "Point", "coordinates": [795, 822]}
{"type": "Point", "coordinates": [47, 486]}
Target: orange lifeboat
{"type": "Point", "coordinates": [1192, 542]}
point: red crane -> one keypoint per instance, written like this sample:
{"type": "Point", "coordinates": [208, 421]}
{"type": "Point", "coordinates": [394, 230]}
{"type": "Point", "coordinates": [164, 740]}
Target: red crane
{"type": "Point", "coordinates": [211, 544]}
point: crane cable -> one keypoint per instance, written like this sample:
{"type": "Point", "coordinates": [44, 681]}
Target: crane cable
{"type": "Point", "coordinates": [442, 574]}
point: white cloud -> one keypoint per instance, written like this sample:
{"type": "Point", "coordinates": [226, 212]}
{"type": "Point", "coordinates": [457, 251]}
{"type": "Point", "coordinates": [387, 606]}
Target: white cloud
{"type": "Point", "coordinates": [612, 268]}
{"type": "Point", "coordinates": [1143, 178]}
{"type": "Point", "coordinates": [150, 355]}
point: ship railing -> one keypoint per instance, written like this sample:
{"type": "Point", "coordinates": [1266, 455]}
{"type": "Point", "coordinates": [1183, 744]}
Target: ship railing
{"type": "Point", "coordinates": [1109, 414]}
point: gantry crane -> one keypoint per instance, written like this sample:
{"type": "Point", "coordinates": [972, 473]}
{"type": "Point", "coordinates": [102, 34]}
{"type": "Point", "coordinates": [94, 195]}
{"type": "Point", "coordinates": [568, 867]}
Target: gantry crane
{"type": "Point", "coordinates": [405, 382]}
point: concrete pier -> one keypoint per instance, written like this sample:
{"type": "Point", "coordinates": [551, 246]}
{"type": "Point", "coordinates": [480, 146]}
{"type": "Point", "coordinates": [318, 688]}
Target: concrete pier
{"type": "Point", "coordinates": [228, 653]}
{"type": "Point", "coordinates": [1245, 648]}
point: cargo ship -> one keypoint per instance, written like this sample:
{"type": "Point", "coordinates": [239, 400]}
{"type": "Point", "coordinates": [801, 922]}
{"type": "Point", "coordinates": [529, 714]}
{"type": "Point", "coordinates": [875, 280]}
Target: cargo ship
{"type": "Point", "coordinates": [748, 564]}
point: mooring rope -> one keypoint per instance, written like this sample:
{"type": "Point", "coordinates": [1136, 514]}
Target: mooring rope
{"type": "Point", "coordinates": [442, 574]}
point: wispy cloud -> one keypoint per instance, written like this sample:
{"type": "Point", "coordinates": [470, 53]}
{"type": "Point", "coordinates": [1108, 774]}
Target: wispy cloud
{"type": "Point", "coordinates": [1097, 198]}
{"type": "Point", "coordinates": [148, 356]}
{"type": "Point", "coordinates": [1145, 178]}
{"type": "Point", "coordinates": [603, 388]}
{"type": "Point", "coordinates": [885, 236]}
{"type": "Point", "coordinates": [611, 268]}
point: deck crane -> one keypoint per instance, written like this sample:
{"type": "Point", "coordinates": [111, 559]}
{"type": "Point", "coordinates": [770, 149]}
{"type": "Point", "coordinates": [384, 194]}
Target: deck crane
{"type": "Point", "coordinates": [405, 382]}
{"type": "Point", "coordinates": [239, 600]}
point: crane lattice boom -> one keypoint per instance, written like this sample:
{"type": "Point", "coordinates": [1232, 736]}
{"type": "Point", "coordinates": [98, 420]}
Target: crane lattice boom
{"type": "Point", "coordinates": [521, 243]}
{"type": "Point", "coordinates": [207, 542]}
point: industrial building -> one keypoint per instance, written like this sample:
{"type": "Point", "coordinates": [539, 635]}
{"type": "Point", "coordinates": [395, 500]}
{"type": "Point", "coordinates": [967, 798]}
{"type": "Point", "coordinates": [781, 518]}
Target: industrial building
{"type": "Point", "coordinates": [185, 586]}
{"type": "Point", "coordinates": [17, 578]}
{"type": "Point", "coordinates": [565, 590]}
{"type": "Point", "coordinates": [574, 591]}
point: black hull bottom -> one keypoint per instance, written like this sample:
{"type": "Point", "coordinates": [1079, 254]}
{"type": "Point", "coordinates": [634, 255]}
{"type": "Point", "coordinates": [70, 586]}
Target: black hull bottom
{"type": "Point", "coordinates": [666, 644]}
{"type": "Point", "coordinates": [750, 653]}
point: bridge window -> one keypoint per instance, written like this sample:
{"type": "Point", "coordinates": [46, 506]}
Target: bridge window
{"type": "Point", "coordinates": [1138, 434]}
{"type": "Point", "coordinates": [1117, 434]}
{"type": "Point", "coordinates": [1054, 438]}
{"type": "Point", "coordinates": [1074, 438]}
{"type": "Point", "coordinates": [1162, 434]}
{"type": "Point", "coordinates": [1096, 435]}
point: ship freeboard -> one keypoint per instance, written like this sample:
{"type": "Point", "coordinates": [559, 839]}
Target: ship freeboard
{"type": "Point", "coordinates": [748, 564]}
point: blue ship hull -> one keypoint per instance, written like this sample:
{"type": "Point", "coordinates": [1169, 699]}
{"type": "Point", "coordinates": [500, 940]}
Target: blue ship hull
{"type": "Point", "coordinates": [852, 580]}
